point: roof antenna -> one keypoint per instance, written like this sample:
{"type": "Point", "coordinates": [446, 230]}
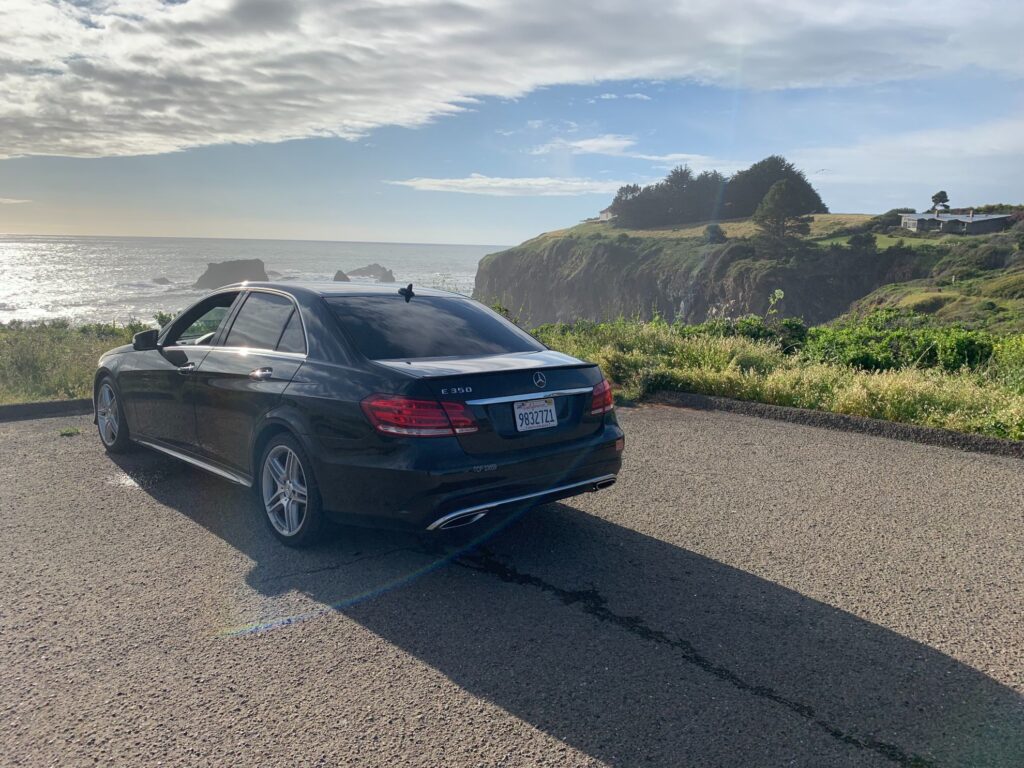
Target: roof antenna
{"type": "Point", "coordinates": [406, 292]}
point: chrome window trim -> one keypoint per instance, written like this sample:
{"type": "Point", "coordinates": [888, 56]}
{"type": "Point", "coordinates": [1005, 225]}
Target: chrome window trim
{"type": "Point", "coordinates": [186, 347]}
{"type": "Point", "coordinates": [260, 351]}
{"type": "Point", "coordinates": [225, 473]}
{"type": "Point", "coordinates": [530, 396]}
{"type": "Point", "coordinates": [240, 351]}
{"type": "Point", "coordinates": [484, 507]}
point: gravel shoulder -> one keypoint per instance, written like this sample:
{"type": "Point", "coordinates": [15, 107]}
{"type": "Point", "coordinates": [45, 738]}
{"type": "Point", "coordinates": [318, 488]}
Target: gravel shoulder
{"type": "Point", "coordinates": [752, 592]}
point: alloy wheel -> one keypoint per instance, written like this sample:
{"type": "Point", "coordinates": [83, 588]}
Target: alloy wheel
{"type": "Point", "coordinates": [107, 414]}
{"type": "Point", "coordinates": [284, 490]}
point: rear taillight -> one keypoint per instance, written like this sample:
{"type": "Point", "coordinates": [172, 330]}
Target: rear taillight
{"type": "Point", "coordinates": [601, 401]}
{"type": "Point", "coordinates": [409, 417]}
{"type": "Point", "coordinates": [461, 418]}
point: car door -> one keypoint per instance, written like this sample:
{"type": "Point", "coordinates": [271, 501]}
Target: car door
{"type": "Point", "coordinates": [243, 378]}
{"type": "Point", "coordinates": [158, 385]}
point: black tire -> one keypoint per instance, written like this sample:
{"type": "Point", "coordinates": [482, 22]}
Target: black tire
{"type": "Point", "coordinates": [267, 483]}
{"type": "Point", "coordinates": [111, 424]}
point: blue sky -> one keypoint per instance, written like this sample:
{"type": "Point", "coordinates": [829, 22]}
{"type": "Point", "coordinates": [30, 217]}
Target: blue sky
{"type": "Point", "coordinates": [465, 137]}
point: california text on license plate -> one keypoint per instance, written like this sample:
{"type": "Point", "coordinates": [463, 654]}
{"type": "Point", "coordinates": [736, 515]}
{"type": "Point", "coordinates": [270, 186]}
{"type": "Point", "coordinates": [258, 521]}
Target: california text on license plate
{"type": "Point", "coordinates": [535, 414]}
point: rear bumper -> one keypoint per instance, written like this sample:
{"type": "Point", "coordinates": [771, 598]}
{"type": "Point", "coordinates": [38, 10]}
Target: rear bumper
{"type": "Point", "coordinates": [422, 482]}
{"type": "Point", "coordinates": [469, 515]}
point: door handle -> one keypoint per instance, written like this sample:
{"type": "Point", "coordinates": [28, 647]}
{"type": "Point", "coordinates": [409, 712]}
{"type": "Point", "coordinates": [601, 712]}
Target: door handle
{"type": "Point", "coordinates": [186, 369]}
{"type": "Point", "coordinates": [261, 374]}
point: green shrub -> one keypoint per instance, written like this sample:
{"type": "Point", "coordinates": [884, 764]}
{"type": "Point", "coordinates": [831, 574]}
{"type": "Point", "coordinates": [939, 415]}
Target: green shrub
{"type": "Point", "coordinates": [876, 344]}
{"type": "Point", "coordinates": [1007, 364]}
{"type": "Point", "coordinates": [714, 234]}
{"type": "Point", "coordinates": [788, 333]}
{"type": "Point", "coordinates": [887, 366]}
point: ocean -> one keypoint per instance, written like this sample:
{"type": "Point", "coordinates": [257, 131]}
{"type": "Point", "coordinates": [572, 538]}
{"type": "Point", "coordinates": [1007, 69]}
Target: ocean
{"type": "Point", "coordinates": [111, 279]}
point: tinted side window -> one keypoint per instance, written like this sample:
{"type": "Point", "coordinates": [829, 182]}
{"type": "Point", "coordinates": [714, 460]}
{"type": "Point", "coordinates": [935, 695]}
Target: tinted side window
{"type": "Point", "coordinates": [260, 321]}
{"type": "Point", "coordinates": [201, 321]}
{"type": "Point", "coordinates": [202, 326]}
{"type": "Point", "coordinates": [390, 328]}
{"type": "Point", "coordinates": [292, 340]}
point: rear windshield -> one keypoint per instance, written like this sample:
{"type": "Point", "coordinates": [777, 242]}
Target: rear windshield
{"type": "Point", "coordinates": [389, 328]}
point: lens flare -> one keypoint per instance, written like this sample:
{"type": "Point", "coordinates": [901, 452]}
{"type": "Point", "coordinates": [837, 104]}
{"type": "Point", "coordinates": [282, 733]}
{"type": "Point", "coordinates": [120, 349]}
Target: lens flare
{"type": "Point", "coordinates": [388, 586]}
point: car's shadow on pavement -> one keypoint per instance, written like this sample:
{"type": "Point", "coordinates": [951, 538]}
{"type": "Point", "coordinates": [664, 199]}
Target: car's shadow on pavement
{"type": "Point", "coordinates": [628, 648]}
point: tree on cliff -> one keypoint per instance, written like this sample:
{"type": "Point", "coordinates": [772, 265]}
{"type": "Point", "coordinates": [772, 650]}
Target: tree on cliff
{"type": "Point", "coordinates": [685, 198]}
{"type": "Point", "coordinates": [784, 209]}
{"type": "Point", "coordinates": [625, 194]}
{"type": "Point", "coordinates": [746, 189]}
{"type": "Point", "coordinates": [940, 200]}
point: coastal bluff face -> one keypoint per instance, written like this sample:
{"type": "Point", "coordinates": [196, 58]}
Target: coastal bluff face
{"type": "Point", "coordinates": [563, 277]}
{"type": "Point", "coordinates": [220, 273]}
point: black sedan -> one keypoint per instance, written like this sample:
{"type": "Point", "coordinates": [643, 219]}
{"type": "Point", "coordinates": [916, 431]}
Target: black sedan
{"type": "Point", "coordinates": [412, 408]}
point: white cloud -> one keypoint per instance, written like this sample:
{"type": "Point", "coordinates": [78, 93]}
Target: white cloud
{"type": "Point", "coordinates": [613, 144]}
{"type": "Point", "coordinates": [12, 201]}
{"type": "Point", "coordinates": [543, 186]}
{"type": "Point", "coordinates": [637, 96]}
{"type": "Point", "coordinates": [122, 77]}
{"type": "Point", "coordinates": [971, 163]}
{"type": "Point", "coordinates": [617, 145]}
{"type": "Point", "coordinates": [908, 156]}
{"type": "Point", "coordinates": [608, 96]}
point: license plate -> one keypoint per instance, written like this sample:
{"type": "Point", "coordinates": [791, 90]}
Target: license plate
{"type": "Point", "coordinates": [535, 414]}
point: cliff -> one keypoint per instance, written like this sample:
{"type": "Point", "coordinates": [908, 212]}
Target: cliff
{"type": "Point", "coordinates": [590, 272]}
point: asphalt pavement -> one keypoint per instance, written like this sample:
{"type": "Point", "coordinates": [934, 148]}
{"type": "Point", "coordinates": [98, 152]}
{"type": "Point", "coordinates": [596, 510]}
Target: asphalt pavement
{"type": "Point", "coordinates": [751, 593]}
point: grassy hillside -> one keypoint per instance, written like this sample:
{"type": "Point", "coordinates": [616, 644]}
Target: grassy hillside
{"type": "Point", "coordinates": [849, 262]}
{"type": "Point", "coordinates": [977, 306]}
{"type": "Point", "coordinates": [822, 225]}
{"type": "Point", "coordinates": [977, 282]}
{"type": "Point", "coordinates": [913, 241]}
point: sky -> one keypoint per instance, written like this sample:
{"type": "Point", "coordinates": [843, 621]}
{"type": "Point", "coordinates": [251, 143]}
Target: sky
{"type": "Point", "coordinates": [472, 121]}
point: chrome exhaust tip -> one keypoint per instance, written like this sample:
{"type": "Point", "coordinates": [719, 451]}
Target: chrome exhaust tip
{"type": "Point", "coordinates": [608, 482]}
{"type": "Point", "coordinates": [456, 520]}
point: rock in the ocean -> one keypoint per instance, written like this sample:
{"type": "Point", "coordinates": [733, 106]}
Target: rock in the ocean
{"type": "Point", "coordinates": [376, 271]}
{"type": "Point", "coordinates": [272, 274]}
{"type": "Point", "coordinates": [161, 281]}
{"type": "Point", "coordinates": [341, 277]}
{"type": "Point", "coordinates": [227, 272]}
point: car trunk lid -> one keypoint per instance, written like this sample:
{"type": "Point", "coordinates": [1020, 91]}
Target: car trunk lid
{"type": "Point", "coordinates": [491, 386]}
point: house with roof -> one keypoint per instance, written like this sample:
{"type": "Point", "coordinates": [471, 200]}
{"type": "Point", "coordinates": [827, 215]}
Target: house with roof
{"type": "Point", "coordinates": [969, 223]}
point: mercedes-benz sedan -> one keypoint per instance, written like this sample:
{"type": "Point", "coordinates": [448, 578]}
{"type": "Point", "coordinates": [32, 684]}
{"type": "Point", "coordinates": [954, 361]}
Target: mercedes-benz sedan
{"type": "Point", "coordinates": [413, 408]}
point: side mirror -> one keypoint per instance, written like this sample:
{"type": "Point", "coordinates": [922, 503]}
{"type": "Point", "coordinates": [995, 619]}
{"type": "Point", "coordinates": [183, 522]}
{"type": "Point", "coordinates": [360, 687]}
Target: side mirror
{"type": "Point", "coordinates": [145, 340]}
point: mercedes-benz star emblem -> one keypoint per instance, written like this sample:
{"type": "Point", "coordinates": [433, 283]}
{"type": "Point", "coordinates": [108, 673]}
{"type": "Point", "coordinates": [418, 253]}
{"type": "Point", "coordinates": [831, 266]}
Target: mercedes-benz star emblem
{"type": "Point", "coordinates": [539, 380]}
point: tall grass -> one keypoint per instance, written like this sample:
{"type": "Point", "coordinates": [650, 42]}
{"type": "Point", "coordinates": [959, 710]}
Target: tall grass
{"type": "Point", "coordinates": [845, 370]}
{"type": "Point", "coordinates": [645, 357]}
{"type": "Point", "coordinates": [54, 360]}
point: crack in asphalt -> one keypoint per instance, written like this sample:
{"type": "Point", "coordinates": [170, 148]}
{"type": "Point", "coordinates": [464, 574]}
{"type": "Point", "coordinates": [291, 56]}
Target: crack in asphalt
{"type": "Point", "coordinates": [357, 558]}
{"type": "Point", "coordinates": [592, 603]}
